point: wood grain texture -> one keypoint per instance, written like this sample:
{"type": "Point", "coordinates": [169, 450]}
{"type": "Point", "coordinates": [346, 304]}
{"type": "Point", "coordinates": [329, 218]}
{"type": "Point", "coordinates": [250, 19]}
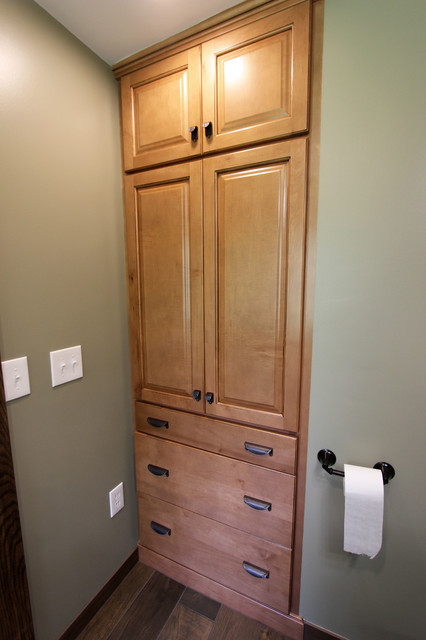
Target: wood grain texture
{"type": "Point", "coordinates": [231, 625]}
{"type": "Point", "coordinates": [104, 621]}
{"type": "Point", "coordinates": [185, 624]}
{"type": "Point", "coordinates": [159, 104]}
{"type": "Point", "coordinates": [218, 436]}
{"type": "Point", "coordinates": [217, 551]}
{"type": "Point", "coordinates": [200, 604]}
{"type": "Point", "coordinates": [255, 80]}
{"type": "Point", "coordinates": [150, 611]}
{"type": "Point", "coordinates": [254, 241]}
{"type": "Point", "coordinates": [15, 609]}
{"type": "Point", "coordinates": [289, 625]}
{"type": "Point", "coordinates": [215, 486]}
{"type": "Point", "coordinates": [164, 253]}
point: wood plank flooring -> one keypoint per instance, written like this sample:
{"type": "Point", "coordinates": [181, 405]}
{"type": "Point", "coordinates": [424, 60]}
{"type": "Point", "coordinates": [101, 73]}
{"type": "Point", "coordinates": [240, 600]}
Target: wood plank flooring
{"type": "Point", "coordinates": [149, 606]}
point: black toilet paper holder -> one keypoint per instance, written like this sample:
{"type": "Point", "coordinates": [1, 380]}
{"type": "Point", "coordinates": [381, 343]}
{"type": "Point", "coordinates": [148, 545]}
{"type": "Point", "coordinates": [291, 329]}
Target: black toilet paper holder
{"type": "Point", "coordinates": [327, 458]}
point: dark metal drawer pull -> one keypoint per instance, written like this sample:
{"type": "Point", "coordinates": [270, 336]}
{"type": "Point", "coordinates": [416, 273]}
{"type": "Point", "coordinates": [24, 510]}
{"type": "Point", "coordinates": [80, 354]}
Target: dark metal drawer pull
{"type": "Point", "coordinates": [260, 505]}
{"type": "Point", "coordinates": [154, 422]}
{"type": "Point", "coordinates": [257, 572]}
{"type": "Point", "coordinates": [258, 449]}
{"type": "Point", "coordinates": [158, 471]}
{"type": "Point", "coordinates": [160, 529]}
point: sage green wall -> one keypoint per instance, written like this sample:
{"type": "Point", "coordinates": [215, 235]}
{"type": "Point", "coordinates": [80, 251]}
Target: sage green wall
{"type": "Point", "coordinates": [62, 283]}
{"type": "Point", "coordinates": [368, 377]}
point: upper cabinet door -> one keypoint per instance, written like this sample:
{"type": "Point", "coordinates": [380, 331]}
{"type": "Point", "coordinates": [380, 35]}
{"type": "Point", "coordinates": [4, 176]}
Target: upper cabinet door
{"type": "Point", "coordinates": [255, 80]}
{"type": "Point", "coordinates": [254, 243]}
{"type": "Point", "coordinates": [160, 104]}
{"type": "Point", "coordinates": [165, 255]}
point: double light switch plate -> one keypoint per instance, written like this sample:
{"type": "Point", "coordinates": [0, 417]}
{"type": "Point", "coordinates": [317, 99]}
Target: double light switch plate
{"type": "Point", "coordinates": [66, 365]}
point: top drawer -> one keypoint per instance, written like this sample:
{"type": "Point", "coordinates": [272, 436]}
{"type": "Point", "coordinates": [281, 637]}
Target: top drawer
{"type": "Point", "coordinates": [266, 449]}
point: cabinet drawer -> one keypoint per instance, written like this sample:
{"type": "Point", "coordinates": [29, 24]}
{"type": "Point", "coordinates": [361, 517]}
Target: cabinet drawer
{"type": "Point", "coordinates": [274, 450]}
{"type": "Point", "coordinates": [242, 495]}
{"type": "Point", "coordinates": [217, 551]}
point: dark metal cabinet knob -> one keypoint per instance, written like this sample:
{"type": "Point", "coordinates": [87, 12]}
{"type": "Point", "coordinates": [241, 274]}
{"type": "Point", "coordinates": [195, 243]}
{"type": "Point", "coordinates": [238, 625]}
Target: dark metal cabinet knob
{"type": "Point", "coordinates": [196, 394]}
{"type": "Point", "coordinates": [209, 397]}
{"type": "Point", "coordinates": [208, 129]}
{"type": "Point", "coordinates": [194, 133]}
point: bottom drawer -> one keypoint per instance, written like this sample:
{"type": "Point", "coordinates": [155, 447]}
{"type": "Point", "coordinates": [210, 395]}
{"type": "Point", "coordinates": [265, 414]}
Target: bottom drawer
{"type": "Point", "coordinates": [245, 563]}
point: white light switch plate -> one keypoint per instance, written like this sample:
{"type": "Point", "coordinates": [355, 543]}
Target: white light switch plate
{"type": "Point", "coordinates": [15, 377]}
{"type": "Point", "coordinates": [66, 365]}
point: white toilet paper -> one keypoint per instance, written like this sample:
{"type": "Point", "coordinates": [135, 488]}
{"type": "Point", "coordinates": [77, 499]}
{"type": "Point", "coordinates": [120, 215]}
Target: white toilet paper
{"type": "Point", "coordinates": [363, 510]}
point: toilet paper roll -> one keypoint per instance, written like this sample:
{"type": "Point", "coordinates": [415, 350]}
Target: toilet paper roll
{"type": "Point", "coordinates": [364, 493]}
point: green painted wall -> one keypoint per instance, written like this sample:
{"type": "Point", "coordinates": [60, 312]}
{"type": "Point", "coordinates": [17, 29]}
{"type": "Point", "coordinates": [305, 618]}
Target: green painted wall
{"type": "Point", "coordinates": [368, 377]}
{"type": "Point", "coordinates": [62, 282]}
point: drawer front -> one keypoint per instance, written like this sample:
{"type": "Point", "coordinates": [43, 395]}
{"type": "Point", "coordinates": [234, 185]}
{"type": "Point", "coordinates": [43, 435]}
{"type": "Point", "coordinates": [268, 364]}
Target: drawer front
{"type": "Point", "coordinates": [256, 500]}
{"type": "Point", "coordinates": [217, 551]}
{"type": "Point", "coordinates": [272, 450]}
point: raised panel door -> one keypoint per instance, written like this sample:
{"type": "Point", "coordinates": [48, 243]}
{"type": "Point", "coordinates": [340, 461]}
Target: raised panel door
{"type": "Point", "coordinates": [164, 230]}
{"type": "Point", "coordinates": [256, 79]}
{"type": "Point", "coordinates": [254, 230]}
{"type": "Point", "coordinates": [160, 103]}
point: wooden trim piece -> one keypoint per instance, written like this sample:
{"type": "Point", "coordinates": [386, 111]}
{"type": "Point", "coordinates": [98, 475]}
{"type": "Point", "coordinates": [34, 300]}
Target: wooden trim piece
{"type": "Point", "coordinates": [315, 633]}
{"type": "Point", "coordinates": [290, 626]}
{"type": "Point", "coordinates": [15, 608]}
{"type": "Point", "coordinates": [199, 33]}
{"type": "Point", "coordinates": [310, 257]}
{"type": "Point", "coordinates": [83, 619]}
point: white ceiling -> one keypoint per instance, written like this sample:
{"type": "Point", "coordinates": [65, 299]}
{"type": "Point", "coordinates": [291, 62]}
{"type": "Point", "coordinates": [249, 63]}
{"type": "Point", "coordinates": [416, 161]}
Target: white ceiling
{"type": "Point", "coordinates": [115, 29]}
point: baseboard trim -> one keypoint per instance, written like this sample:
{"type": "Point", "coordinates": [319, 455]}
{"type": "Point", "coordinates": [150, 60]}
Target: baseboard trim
{"type": "Point", "coordinates": [310, 632]}
{"type": "Point", "coordinates": [83, 619]}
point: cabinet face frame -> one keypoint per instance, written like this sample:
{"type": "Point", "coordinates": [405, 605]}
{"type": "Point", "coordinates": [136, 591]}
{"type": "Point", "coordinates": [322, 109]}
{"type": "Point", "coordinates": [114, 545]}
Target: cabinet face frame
{"type": "Point", "coordinates": [273, 53]}
{"type": "Point", "coordinates": [173, 196]}
{"type": "Point", "coordinates": [293, 155]}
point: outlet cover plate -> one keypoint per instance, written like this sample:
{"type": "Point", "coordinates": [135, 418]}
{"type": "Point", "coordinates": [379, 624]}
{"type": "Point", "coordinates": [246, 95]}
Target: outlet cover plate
{"type": "Point", "coordinates": [116, 499]}
{"type": "Point", "coordinates": [66, 365]}
{"type": "Point", "coordinates": [15, 377]}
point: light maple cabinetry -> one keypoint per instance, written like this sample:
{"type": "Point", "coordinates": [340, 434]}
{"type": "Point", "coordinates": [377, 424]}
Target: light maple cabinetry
{"type": "Point", "coordinates": [245, 222]}
{"type": "Point", "coordinates": [217, 224]}
{"type": "Point", "coordinates": [246, 85]}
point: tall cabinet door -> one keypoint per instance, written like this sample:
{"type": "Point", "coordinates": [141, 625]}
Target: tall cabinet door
{"type": "Point", "coordinates": [254, 235]}
{"type": "Point", "coordinates": [256, 79]}
{"type": "Point", "coordinates": [160, 104]}
{"type": "Point", "coordinates": [164, 240]}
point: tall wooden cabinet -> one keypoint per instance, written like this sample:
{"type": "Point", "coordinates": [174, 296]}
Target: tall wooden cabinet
{"type": "Point", "coordinates": [215, 150]}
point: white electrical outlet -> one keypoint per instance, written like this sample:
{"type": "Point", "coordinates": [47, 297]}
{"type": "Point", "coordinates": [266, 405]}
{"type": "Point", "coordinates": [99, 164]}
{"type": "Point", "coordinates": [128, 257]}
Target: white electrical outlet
{"type": "Point", "coordinates": [116, 499]}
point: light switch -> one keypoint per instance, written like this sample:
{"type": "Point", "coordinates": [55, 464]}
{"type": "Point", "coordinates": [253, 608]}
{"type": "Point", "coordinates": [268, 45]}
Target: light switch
{"type": "Point", "coordinates": [66, 365]}
{"type": "Point", "coordinates": [15, 377]}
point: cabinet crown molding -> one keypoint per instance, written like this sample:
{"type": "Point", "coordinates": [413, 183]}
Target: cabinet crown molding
{"type": "Point", "coordinates": [221, 22]}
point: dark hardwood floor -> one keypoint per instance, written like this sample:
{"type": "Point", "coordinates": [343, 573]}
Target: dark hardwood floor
{"type": "Point", "coordinates": [149, 606]}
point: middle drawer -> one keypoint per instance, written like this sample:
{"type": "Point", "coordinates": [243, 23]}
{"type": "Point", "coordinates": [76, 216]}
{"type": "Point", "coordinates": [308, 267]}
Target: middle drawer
{"type": "Point", "coordinates": [242, 495]}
